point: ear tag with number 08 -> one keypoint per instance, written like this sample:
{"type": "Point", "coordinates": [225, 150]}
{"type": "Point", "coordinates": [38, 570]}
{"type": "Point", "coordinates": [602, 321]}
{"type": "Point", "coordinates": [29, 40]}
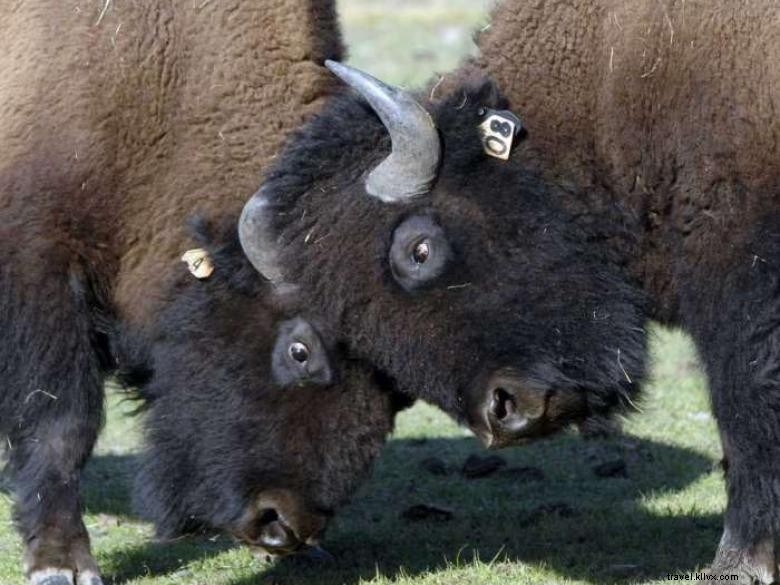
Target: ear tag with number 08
{"type": "Point", "coordinates": [499, 130]}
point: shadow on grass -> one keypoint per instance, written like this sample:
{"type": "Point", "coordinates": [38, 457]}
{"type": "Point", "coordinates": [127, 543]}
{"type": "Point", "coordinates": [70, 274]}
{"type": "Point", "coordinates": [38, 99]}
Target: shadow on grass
{"type": "Point", "coordinates": [157, 559]}
{"type": "Point", "coordinates": [560, 513]}
{"type": "Point", "coordinates": [106, 485]}
{"type": "Point", "coordinates": [578, 523]}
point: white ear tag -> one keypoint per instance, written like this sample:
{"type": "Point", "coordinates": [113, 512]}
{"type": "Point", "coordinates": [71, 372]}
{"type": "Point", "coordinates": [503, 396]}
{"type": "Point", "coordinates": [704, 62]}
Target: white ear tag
{"type": "Point", "coordinates": [499, 129]}
{"type": "Point", "coordinates": [198, 262]}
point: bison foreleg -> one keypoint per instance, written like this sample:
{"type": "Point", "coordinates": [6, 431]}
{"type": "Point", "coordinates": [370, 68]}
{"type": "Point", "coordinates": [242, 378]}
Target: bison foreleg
{"type": "Point", "coordinates": [735, 318]}
{"type": "Point", "coordinates": [54, 409]}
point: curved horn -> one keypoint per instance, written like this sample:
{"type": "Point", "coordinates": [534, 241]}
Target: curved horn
{"type": "Point", "coordinates": [411, 167]}
{"type": "Point", "coordinates": [255, 232]}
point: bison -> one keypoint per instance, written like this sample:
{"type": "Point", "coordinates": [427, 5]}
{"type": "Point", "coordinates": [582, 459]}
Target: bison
{"type": "Point", "coordinates": [118, 121]}
{"type": "Point", "coordinates": [515, 294]}
{"type": "Point", "coordinates": [254, 424]}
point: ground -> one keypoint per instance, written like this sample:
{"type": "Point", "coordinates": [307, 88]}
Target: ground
{"type": "Point", "coordinates": [628, 510]}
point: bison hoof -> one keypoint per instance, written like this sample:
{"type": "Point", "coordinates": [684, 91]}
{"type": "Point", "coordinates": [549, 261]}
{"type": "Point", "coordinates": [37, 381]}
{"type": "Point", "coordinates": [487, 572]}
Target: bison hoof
{"type": "Point", "coordinates": [754, 565]}
{"type": "Point", "coordinates": [52, 577]}
{"type": "Point", "coordinates": [64, 577]}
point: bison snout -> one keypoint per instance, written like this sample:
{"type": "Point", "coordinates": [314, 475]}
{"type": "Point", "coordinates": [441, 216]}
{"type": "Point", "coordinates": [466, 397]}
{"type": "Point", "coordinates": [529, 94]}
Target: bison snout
{"type": "Point", "coordinates": [507, 410]}
{"type": "Point", "coordinates": [279, 523]}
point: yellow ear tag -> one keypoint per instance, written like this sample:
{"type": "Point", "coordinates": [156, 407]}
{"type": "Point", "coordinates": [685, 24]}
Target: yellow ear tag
{"type": "Point", "coordinates": [499, 129]}
{"type": "Point", "coordinates": [198, 262]}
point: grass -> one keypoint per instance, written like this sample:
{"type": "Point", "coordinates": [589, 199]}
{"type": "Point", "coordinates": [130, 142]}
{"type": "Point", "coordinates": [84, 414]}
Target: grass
{"type": "Point", "coordinates": [567, 526]}
{"type": "Point", "coordinates": [407, 41]}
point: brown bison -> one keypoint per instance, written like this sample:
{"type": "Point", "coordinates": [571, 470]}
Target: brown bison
{"type": "Point", "coordinates": [118, 121]}
{"type": "Point", "coordinates": [515, 294]}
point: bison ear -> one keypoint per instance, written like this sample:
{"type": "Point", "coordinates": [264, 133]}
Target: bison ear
{"type": "Point", "coordinates": [411, 167]}
{"type": "Point", "coordinates": [257, 237]}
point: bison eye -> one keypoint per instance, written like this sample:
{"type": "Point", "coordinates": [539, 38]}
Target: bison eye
{"type": "Point", "coordinates": [419, 252]}
{"type": "Point", "coordinates": [299, 352]}
{"type": "Point", "coordinates": [300, 356]}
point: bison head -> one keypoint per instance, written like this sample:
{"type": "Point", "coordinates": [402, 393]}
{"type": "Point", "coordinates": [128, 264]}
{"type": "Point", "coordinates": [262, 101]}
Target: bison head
{"type": "Point", "coordinates": [256, 424]}
{"type": "Point", "coordinates": [459, 276]}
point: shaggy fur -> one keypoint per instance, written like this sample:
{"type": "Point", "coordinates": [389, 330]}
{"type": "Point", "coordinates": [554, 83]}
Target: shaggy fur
{"type": "Point", "coordinates": [668, 109]}
{"type": "Point", "coordinates": [219, 431]}
{"type": "Point", "coordinates": [117, 121]}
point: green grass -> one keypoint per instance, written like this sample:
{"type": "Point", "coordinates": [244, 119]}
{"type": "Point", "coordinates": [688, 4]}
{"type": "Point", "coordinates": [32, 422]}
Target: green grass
{"type": "Point", "coordinates": [570, 527]}
{"type": "Point", "coordinates": [406, 42]}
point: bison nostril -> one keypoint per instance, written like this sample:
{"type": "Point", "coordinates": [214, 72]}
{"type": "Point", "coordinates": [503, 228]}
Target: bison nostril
{"type": "Point", "coordinates": [503, 403]}
{"type": "Point", "coordinates": [267, 516]}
